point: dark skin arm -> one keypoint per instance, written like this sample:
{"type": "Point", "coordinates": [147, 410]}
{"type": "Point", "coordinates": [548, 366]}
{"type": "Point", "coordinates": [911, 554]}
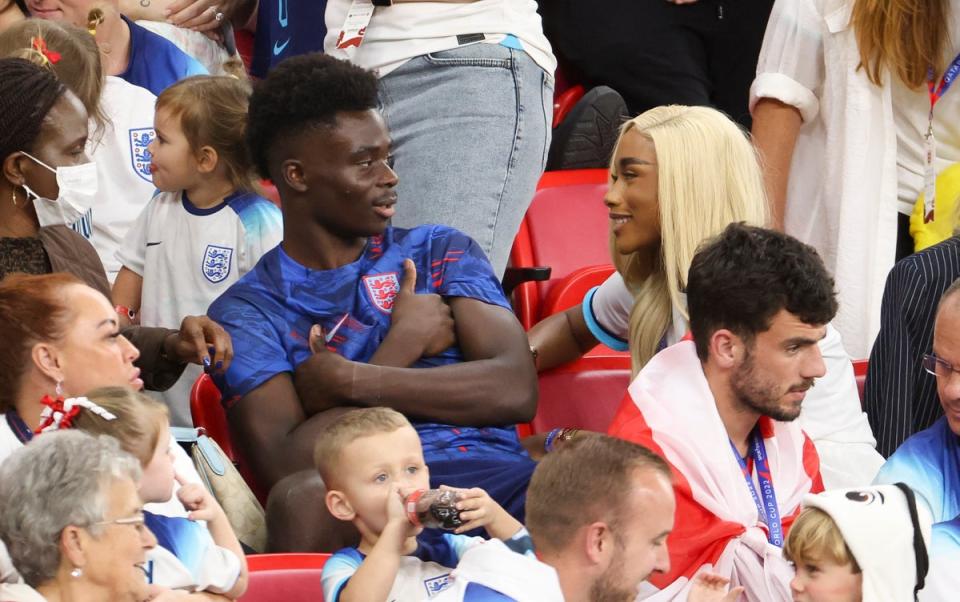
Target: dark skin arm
{"type": "Point", "coordinates": [495, 385]}
{"type": "Point", "coordinates": [561, 338]}
{"type": "Point", "coordinates": [274, 435]}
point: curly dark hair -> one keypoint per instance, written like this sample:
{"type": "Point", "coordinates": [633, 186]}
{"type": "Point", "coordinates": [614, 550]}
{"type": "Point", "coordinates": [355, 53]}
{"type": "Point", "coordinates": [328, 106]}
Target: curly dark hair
{"type": "Point", "coordinates": [743, 277]}
{"type": "Point", "coordinates": [27, 93]}
{"type": "Point", "coordinates": [300, 93]}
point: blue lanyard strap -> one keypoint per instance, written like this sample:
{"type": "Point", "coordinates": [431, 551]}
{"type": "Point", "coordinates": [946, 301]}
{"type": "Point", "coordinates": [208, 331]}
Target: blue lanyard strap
{"type": "Point", "coordinates": [18, 426]}
{"type": "Point", "coordinates": [768, 510]}
{"type": "Point", "coordinates": [938, 90]}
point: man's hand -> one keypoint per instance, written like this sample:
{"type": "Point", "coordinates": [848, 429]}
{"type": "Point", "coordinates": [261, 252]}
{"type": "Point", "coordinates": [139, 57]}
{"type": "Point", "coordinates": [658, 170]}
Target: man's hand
{"type": "Point", "coordinates": [422, 319]}
{"type": "Point", "coordinates": [709, 587]}
{"type": "Point", "coordinates": [199, 337]}
{"type": "Point", "coordinates": [328, 374]}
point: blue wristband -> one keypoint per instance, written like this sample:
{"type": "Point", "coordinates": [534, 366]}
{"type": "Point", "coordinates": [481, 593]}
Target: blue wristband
{"type": "Point", "coordinates": [551, 437]}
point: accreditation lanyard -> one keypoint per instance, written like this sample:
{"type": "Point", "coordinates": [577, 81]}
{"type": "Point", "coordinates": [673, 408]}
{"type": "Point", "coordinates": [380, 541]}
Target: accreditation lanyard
{"type": "Point", "coordinates": [767, 508]}
{"type": "Point", "coordinates": [930, 143]}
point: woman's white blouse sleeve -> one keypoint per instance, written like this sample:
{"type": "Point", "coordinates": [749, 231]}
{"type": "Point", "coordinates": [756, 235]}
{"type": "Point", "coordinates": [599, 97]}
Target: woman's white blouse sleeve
{"type": "Point", "coordinates": [791, 65]}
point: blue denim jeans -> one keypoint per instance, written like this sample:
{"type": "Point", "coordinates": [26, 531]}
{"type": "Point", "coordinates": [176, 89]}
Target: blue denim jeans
{"type": "Point", "coordinates": [471, 130]}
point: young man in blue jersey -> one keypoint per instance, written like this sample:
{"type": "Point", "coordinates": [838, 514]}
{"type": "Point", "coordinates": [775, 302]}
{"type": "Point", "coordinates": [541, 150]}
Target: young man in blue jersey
{"type": "Point", "coordinates": [350, 312]}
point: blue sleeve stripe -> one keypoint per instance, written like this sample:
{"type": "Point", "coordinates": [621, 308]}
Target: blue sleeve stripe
{"type": "Point", "coordinates": [338, 570]}
{"type": "Point", "coordinates": [598, 331]}
{"type": "Point", "coordinates": [476, 592]}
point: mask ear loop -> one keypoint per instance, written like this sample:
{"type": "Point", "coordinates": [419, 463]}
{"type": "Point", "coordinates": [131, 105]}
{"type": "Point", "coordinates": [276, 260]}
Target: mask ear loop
{"type": "Point", "coordinates": [919, 547]}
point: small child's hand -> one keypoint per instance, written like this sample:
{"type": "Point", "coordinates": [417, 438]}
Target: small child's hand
{"type": "Point", "coordinates": [398, 524]}
{"type": "Point", "coordinates": [197, 500]}
{"type": "Point", "coordinates": [710, 587]}
{"type": "Point", "coordinates": [478, 509]}
{"type": "Point", "coordinates": [396, 513]}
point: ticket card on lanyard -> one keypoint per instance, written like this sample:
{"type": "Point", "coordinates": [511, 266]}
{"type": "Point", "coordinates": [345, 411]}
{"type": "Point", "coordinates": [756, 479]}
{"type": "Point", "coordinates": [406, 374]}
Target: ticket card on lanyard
{"type": "Point", "coordinates": [930, 142]}
{"type": "Point", "coordinates": [355, 25]}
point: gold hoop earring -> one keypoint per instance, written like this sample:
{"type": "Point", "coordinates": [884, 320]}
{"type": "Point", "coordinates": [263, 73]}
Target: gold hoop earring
{"type": "Point", "coordinates": [13, 194]}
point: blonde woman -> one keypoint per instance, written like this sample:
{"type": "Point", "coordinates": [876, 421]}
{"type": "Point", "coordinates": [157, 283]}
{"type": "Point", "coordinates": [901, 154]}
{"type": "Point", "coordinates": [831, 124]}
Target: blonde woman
{"type": "Point", "coordinates": [680, 175]}
{"type": "Point", "coordinates": [841, 114]}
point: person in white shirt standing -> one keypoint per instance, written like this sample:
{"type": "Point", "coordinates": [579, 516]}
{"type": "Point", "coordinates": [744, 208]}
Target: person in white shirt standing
{"type": "Point", "coordinates": [206, 227]}
{"type": "Point", "coordinates": [854, 115]}
{"type": "Point", "coordinates": [467, 94]}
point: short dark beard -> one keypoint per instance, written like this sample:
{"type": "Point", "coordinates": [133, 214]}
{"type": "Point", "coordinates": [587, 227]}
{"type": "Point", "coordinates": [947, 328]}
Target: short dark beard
{"type": "Point", "coordinates": [757, 394]}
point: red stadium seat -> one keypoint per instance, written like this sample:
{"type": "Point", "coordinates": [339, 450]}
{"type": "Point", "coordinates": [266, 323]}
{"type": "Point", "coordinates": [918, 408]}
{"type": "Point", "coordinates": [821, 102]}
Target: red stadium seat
{"type": "Point", "coordinates": [287, 577]}
{"type": "Point", "coordinates": [565, 228]}
{"type": "Point", "coordinates": [583, 394]}
{"type": "Point", "coordinates": [563, 102]}
{"type": "Point", "coordinates": [860, 373]}
{"type": "Point", "coordinates": [571, 290]}
{"type": "Point", "coordinates": [207, 413]}
{"type": "Point", "coordinates": [270, 192]}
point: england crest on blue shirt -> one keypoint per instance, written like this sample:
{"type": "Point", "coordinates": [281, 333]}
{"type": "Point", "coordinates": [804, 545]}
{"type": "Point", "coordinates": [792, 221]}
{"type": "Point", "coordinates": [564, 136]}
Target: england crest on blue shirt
{"type": "Point", "coordinates": [140, 157]}
{"type": "Point", "coordinates": [216, 263]}
{"type": "Point", "coordinates": [383, 289]}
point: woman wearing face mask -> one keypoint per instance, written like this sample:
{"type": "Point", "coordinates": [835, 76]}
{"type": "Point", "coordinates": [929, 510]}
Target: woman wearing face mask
{"type": "Point", "coordinates": [120, 126]}
{"type": "Point", "coordinates": [45, 178]}
{"type": "Point", "coordinates": [48, 181]}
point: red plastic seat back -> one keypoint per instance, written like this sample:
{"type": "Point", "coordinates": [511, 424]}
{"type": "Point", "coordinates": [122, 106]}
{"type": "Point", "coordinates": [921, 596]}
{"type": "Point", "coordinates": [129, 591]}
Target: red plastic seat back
{"type": "Point", "coordinates": [584, 394]}
{"type": "Point", "coordinates": [571, 290]}
{"type": "Point", "coordinates": [566, 227]}
{"type": "Point", "coordinates": [287, 577]}
{"type": "Point", "coordinates": [860, 373]}
{"type": "Point", "coordinates": [208, 414]}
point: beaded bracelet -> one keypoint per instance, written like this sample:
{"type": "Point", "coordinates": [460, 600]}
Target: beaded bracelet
{"type": "Point", "coordinates": [559, 434]}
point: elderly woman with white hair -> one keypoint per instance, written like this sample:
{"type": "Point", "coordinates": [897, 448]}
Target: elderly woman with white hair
{"type": "Point", "coordinates": [73, 522]}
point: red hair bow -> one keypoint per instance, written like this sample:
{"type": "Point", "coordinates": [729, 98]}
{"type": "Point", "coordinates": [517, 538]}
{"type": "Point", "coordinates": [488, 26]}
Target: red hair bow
{"type": "Point", "coordinates": [49, 56]}
{"type": "Point", "coordinates": [56, 414]}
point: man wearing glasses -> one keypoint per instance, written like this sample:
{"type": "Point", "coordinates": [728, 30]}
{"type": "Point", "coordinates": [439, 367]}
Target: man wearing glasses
{"type": "Point", "coordinates": [929, 461]}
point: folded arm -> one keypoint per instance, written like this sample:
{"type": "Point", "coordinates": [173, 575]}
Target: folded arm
{"type": "Point", "coordinates": [494, 385]}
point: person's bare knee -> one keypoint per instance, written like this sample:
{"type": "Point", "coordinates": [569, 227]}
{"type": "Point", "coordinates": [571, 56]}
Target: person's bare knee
{"type": "Point", "coordinates": [298, 520]}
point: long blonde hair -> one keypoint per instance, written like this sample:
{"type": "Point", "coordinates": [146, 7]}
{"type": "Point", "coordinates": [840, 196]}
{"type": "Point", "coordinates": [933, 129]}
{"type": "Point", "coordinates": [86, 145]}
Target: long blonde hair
{"type": "Point", "coordinates": [708, 176]}
{"type": "Point", "coordinates": [906, 37]}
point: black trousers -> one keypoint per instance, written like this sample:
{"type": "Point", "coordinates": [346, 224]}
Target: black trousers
{"type": "Point", "coordinates": [654, 52]}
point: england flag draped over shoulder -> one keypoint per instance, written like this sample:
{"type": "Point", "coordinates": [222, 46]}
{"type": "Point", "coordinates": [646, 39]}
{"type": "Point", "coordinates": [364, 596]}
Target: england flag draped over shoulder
{"type": "Point", "coordinates": [670, 409]}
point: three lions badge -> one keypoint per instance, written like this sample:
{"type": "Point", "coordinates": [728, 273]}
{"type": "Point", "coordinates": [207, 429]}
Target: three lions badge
{"type": "Point", "coordinates": [216, 263]}
{"type": "Point", "coordinates": [383, 289]}
{"type": "Point", "coordinates": [140, 157]}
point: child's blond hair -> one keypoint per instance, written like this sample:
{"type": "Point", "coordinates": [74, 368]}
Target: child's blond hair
{"type": "Point", "coordinates": [348, 428]}
{"type": "Point", "coordinates": [138, 423]}
{"type": "Point", "coordinates": [814, 537]}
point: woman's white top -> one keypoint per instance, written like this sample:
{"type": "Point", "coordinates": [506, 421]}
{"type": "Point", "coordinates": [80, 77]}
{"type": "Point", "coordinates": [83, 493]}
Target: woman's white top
{"type": "Point", "coordinates": [842, 191]}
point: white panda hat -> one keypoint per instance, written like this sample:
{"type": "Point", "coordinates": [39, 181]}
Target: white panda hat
{"type": "Point", "coordinates": [888, 534]}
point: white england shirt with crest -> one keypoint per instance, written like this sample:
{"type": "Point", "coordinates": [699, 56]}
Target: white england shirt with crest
{"type": "Point", "coordinates": [188, 256]}
{"type": "Point", "coordinates": [124, 183]}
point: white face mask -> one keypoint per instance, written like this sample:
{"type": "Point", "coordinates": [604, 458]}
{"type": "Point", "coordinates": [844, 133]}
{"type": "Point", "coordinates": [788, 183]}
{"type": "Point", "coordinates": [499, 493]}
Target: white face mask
{"type": "Point", "coordinates": [78, 189]}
